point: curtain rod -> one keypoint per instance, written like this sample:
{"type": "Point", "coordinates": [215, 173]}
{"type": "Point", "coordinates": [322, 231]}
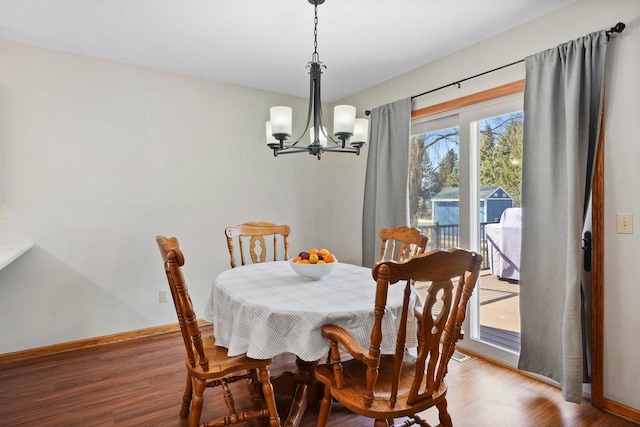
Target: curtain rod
{"type": "Point", "coordinates": [618, 28]}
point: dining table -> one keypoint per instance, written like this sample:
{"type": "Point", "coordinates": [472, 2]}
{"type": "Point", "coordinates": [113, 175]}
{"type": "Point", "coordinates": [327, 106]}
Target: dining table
{"type": "Point", "coordinates": [266, 309]}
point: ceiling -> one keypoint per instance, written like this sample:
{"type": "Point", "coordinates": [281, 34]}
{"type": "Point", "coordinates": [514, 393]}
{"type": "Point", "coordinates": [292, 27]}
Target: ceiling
{"type": "Point", "coordinates": [266, 44]}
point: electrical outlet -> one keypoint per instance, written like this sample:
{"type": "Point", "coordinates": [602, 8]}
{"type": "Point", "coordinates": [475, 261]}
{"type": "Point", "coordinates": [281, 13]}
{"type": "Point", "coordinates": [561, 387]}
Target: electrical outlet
{"type": "Point", "coordinates": [163, 296]}
{"type": "Point", "coordinates": [624, 223]}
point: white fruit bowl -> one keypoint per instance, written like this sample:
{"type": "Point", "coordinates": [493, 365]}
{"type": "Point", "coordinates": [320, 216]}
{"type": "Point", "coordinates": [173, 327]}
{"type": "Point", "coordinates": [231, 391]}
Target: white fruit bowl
{"type": "Point", "coordinates": [313, 271]}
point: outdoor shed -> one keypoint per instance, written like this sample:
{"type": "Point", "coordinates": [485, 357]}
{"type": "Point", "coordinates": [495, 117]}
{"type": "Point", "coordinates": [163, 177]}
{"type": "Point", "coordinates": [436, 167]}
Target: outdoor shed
{"type": "Point", "coordinates": [493, 201]}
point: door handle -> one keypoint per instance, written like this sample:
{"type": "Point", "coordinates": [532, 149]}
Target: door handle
{"type": "Point", "coordinates": [586, 247]}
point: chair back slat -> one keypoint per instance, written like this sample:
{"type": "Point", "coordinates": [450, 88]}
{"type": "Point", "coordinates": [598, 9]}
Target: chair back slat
{"type": "Point", "coordinates": [173, 262]}
{"type": "Point", "coordinates": [401, 341]}
{"type": "Point", "coordinates": [453, 329]}
{"type": "Point", "coordinates": [436, 313]}
{"type": "Point", "coordinates": [258, 248]}
{"type": "Point", "coordinates": [255, 233]}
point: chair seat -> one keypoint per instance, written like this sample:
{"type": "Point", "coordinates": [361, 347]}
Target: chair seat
{"type": "Point", "coordinates": [353, 390]}
{"type": "Point", "coordinates": [221, 364]}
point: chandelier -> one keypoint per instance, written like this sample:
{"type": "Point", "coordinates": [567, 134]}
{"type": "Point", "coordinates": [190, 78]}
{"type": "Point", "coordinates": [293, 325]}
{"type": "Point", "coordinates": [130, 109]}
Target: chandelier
{"type": "Point", "coordinates": [346, 128]}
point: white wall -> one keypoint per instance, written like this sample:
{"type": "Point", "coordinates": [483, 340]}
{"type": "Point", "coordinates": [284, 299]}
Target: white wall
{"type": "Point", "coordinates": [97, 158]}
{"type": "Point", "coordinates": [622, 293]}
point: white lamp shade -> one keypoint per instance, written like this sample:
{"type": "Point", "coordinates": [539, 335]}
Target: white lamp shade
{"type": "Point", "coordinates": [361, 131]}
{"type": "Point", "coordinates": [270, 138]}
{"type": "Point", "coordinates": [344, 117]}
{"type": "Point", "coordinates": [281, 120]}
{"type": "Point", "coordinates": [321, 136]}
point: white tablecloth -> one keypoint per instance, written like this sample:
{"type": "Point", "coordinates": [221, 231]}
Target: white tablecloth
{"type": "Point", "coordinates": [267, 309]}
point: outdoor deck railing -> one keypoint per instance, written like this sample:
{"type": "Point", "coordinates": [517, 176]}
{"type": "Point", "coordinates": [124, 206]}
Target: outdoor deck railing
{"type": "Point", "coordinates": [445, 236]}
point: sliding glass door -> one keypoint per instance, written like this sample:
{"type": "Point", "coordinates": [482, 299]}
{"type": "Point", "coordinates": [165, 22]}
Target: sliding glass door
{"type": "Point", "coordinates": [465, 191]}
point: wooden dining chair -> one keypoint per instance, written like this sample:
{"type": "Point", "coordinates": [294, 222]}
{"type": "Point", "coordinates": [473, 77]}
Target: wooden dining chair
{"type": "Point", "coordinates": [401, 243]}
{"type": "Point", "coordinates": [209, 365]}
{"type": "Point", "coordinates": [254, 233]}
{"type": "Point", "coordinates": [385, 387]}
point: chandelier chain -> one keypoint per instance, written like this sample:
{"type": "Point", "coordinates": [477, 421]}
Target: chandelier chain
{"type": "Point", "coordinates": [315, 30]}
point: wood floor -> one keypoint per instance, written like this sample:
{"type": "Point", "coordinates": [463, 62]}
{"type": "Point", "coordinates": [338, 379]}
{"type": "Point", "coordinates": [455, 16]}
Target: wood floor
{"type": "Point", "coordinates": [140, 383]}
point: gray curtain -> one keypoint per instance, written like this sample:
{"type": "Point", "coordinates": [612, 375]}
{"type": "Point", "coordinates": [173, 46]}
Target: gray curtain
{"type": "Point", "coordinates": [562, 110]}
{"type": "Point", "coordinates": [386, 201]}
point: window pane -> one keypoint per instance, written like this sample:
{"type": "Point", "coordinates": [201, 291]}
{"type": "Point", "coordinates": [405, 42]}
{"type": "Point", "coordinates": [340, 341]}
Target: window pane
{"type": "Point", "coordinates": [501, 158]}
{"type": "Point", "coordinates": [500, 143]}
{"type": "Point", "coordinates": [434, 184]}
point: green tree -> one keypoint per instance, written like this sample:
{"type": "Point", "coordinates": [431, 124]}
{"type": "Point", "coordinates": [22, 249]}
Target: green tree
{"type": "Point", "coordinates": [501, 155]}
{"type": "Point", "coordinates": [426, 178]}
{"type": "Point", "coordinates": [487, 156]}
{"type": "Point", "coordinates": [415, 176]}
{"type": "Point", "coordinates": [449, 170]}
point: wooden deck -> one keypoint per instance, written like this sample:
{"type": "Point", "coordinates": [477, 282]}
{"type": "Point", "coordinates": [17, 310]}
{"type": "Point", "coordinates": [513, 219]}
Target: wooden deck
{"type": "Point", "coordinates": [499, 311]}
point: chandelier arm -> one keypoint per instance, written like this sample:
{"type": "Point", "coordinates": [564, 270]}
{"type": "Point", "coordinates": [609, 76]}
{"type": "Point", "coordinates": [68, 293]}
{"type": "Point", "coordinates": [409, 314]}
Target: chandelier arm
{"type": "Point", "coordinates": [306, 126]}
{"type": "Point", "coordinates": [329, 137]}
{"type": "Point", "coordinates": [290, 149]}
{"type": "Point", "coordinates": [321, 115]}
{"type": "Point", "coordinates": [339, 149]}
{"type": "Point", "coordinates": [318, 123]}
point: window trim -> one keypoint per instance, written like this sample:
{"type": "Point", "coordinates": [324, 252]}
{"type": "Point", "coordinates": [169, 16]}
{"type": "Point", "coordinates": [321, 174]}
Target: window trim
{"type": "Point", "coordinates": [474, 98]}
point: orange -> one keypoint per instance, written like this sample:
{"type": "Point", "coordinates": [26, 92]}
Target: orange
{"type": "Point", "coordinates": [313, 251]}
{"type": "Point", "coordinates": [313, 258]}
{"type": "Point", "coordinates": [297, 259]}
{"type": "Point", "coordinates": [305, 261]}
{"type": "Point", "coordinates": [329, 258]}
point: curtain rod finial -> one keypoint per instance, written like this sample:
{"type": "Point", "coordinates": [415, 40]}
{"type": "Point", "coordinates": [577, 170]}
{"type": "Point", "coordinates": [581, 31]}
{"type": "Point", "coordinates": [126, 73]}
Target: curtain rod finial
{"type": "Point", "coordinates": [618, 28]}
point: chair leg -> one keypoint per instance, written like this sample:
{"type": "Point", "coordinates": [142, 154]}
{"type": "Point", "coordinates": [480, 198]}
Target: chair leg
{"type": "Point", "coordinates": [325, 407]}
{"type": "Point", "coordinates": [411, 420]}
{"type": "Point", "coordinates": [186, 397]}
{"type": "Point", "coordinates": [381, 422]}
{"type": "Point", "coordinates": [254, 385]}
{"type": "Point", "coordinates": [443, 415]}
{"type": "Point", "coordinates": [198, 401]}
{"type": "Point", "coordinates": [269, 397]}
